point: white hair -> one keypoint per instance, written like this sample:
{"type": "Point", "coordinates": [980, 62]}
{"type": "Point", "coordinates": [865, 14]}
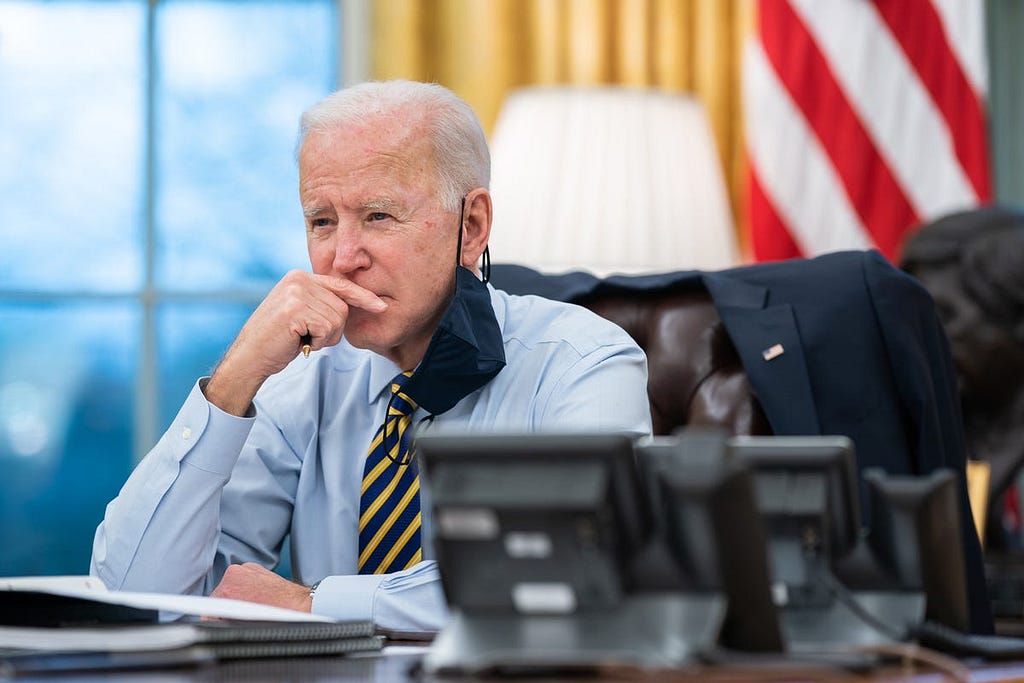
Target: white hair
{"type": "Point", "coordinates": [460, 147]}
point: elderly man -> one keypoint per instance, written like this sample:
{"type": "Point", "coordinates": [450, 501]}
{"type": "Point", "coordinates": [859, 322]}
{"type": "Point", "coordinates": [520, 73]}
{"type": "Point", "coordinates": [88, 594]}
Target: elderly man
{"type": "Point", "coordinates": [393, 183]}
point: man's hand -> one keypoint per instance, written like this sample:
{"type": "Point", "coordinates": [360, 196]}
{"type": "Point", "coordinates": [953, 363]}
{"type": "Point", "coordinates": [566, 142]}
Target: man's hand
{"type": "Point", "coordinates": [301, 303]}
{"type": "Point", "coordinates": [253, 583]}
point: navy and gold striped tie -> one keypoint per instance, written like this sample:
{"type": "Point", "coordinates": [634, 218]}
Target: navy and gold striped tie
{"type": "Point", "coordinates": [389, 505]}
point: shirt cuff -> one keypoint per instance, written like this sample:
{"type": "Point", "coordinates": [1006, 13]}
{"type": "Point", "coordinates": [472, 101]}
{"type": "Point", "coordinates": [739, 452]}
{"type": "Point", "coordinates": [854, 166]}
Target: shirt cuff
{"type": "Point", "coordinates": [347, 598]}
{"type": "Point", "coordinates": [406, 604]}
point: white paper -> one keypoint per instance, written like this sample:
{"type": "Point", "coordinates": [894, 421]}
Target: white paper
{"type": "Point", "coordinates": [207, 607]}
{"type": "Point", "coordinates": [86, 587]}
{"type": "Point", "coordinates": [45, 584]}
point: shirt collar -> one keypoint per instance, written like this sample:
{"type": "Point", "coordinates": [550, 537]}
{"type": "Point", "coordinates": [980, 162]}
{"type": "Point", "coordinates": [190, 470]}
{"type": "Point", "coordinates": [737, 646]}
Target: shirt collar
{"type": "Point", "coordinates": [382, 371]}
{"type": "Point", "coordinates": [500, 309]}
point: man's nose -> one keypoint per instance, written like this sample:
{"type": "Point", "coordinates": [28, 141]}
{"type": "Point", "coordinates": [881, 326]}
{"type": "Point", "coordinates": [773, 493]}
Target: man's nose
{"type": "Point", "coordinates": [349, 251]}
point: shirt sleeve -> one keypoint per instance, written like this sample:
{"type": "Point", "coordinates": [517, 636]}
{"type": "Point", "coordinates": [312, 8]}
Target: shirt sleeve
{"type": "Point", "coordinates": [405, 602]}
{"type": "Point", "coordinates": [170, 505]}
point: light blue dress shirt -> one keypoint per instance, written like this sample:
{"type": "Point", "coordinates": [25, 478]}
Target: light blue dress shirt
{"type": "Point", "coordinates": [219, 489]}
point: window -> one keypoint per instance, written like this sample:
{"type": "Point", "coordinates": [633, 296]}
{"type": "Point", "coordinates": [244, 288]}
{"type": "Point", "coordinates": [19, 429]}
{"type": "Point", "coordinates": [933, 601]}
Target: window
{"type": "Point", "coordinates": [148, 200]}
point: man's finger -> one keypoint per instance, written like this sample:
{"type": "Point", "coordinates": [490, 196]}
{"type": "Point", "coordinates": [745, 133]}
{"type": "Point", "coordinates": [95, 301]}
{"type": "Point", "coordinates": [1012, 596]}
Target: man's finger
{"type": "Point", "coordinates": [353, 294]}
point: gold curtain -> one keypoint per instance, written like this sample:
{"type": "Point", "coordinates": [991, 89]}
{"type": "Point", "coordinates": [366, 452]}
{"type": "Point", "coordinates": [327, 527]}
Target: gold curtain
{"type": "Point", "coordinates": [483, 48]}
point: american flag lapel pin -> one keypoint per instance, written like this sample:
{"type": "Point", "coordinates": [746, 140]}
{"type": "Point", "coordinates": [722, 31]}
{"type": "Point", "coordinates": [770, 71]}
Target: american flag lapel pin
{"type": "Point", "coordinates": [773, 352]}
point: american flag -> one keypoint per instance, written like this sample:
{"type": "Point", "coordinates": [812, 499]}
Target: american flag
{"type": "Point", "coordinates": [864, 119]}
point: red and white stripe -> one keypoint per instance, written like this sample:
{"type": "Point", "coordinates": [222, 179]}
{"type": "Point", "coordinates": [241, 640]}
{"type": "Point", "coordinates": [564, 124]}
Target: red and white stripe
{"type": "Point", "coordinates": [864, 119]}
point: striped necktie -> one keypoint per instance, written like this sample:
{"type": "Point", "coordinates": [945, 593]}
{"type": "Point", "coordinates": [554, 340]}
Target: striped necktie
{"type": "Point", "coordinates": [389, 504]}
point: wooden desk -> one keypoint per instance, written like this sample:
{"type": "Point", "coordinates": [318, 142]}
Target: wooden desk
{"type": "Point", "coordinates": [404, 667]}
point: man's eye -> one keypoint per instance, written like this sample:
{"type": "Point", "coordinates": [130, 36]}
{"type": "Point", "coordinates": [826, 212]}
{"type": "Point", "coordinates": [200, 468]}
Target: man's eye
{"type": "Point", "coordinates": [318, 223]}
{"type": "Point", "coordinates": [377, 216]}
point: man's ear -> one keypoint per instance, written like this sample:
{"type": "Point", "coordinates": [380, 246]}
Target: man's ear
{"type": "Point", "coordinates": [476, 226]}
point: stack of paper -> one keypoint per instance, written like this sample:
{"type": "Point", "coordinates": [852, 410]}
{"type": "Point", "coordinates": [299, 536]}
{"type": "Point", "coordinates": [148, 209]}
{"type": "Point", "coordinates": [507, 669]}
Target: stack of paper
{"type": "Point", "coordinates": [75, 623]}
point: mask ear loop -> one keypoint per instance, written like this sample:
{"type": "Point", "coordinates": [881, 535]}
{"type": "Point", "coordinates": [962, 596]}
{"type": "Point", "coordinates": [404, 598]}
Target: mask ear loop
{"type": "Point", "coordinates": [393, 434]}
{"type": "Point", "coordinates": [422, 424]}
{"type": "Point", "coordinates": [485, 260]}
{"type": "Point", "coordinates": [388, 433]}
{"type": "Point", "coordinates": [462, 220]}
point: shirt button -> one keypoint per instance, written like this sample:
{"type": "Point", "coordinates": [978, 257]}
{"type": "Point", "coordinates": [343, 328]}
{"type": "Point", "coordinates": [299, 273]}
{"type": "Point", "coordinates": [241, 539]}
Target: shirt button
{"type": "Point", "coordinates": [186, 433]}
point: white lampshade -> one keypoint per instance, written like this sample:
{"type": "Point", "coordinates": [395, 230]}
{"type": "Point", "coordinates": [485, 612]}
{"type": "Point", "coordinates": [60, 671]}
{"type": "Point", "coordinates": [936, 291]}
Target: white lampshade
{"type": "Point", "coordinates": [610, 180]}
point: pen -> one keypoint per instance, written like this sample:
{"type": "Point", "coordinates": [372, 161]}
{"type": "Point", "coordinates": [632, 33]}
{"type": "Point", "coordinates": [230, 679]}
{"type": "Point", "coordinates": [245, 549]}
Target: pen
{"type": "Point", "coordinates": [307, 344]}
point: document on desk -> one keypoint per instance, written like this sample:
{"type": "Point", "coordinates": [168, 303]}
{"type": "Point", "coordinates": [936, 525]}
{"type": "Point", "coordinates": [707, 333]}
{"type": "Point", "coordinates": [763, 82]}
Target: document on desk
{"type": "Point", "coordinates": [169, 606]}
{"type": "Point", "coordinates": [73, 623]}
{"type": "Point", "coordinates": [30, 650]}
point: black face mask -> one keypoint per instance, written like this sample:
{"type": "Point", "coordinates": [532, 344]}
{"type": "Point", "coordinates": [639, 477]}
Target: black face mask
{"type": "Point", "coordinates": [466, 351]}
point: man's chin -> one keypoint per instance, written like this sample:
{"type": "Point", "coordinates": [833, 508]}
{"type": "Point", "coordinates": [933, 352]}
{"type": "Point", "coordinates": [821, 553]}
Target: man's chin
{"type": "Point", "coordinates": [366, 335]}
{"type": "Point", "coordinates": [405, 351]}
{"type": "Point", "coordinates": [362, 340]}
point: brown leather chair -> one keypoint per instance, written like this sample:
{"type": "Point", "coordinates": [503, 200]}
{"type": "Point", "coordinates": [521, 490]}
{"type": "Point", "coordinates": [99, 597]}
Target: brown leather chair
{"type": "Point", "coordinates": [696, 377]}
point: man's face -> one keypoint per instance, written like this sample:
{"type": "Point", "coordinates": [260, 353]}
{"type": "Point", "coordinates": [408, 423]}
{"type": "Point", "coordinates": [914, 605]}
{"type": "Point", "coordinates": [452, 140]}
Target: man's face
{"type": "Point", "coordinates": [369, 194]}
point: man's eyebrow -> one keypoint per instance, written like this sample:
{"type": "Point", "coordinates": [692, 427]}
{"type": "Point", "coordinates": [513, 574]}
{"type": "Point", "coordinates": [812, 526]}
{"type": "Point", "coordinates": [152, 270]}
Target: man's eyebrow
{"type": "Point", "coordinates": [312, 210]}
{"type": "Point", "coordinates": [382, 204]}
{"type": "Point", "coordinates": [385, 204]}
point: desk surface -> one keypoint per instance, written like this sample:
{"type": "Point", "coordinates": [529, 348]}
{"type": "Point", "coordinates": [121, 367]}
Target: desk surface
{"type": "Point", "coordinates": [405, 667]}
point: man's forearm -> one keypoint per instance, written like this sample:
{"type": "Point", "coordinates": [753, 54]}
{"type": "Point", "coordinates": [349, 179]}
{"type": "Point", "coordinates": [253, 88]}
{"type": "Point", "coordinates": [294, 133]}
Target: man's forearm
{"type": "Point", "coordinates": [161, 531]}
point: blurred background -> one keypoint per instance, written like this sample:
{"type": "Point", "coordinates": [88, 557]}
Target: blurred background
{"type": "Point", "coordinates": [148, 184]}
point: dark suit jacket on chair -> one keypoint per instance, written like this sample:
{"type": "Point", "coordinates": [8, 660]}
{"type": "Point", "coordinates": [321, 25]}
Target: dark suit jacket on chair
{"type": "Point", "coordinates": [839, 344]}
